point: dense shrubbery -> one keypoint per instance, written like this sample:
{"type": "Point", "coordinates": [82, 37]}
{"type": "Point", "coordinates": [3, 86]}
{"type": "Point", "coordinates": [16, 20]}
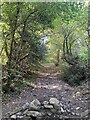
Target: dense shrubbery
{"type": "Point", "coordinates": [75, 74]}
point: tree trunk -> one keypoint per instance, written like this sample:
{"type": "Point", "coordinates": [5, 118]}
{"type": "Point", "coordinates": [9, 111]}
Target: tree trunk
{"type": "Point", "coordinates": [9, 64]}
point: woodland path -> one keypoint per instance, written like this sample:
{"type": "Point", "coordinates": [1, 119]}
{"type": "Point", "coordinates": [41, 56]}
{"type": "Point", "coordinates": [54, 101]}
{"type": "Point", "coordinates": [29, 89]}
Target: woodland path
{"type": "Point", "coordinates": [46, 86]}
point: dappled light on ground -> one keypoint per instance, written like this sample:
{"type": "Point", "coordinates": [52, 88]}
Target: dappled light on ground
{"type": "Point", "coordinates": [49, 86]}
{"type": "Point", "coordinates": [48, 71]}
{"type": "Point", "coordinates": [48, 75]}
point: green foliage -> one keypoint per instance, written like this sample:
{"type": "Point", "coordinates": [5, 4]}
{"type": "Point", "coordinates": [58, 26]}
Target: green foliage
{"type": "Point", "coordinates": [73, 79]}
{"type": "Point", "coordinates": [23, 26]}
{"type": "Point", "coordinates": [75, 74]}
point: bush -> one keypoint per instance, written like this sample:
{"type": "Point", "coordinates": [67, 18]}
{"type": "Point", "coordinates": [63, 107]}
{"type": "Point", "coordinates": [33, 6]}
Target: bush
{"type": "Point", "coordinates": [74, 74]}
{"type": "Point", "coordinates": [73, 80]}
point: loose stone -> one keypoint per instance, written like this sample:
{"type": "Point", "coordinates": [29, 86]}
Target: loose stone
{"type": "Point", "coordinates": [13, 116]}
{"type": "Point", "coordinates": [34, 113]}
{"type": "Point", "coordinates": [48, 106]}
{"type": "Point", "coordinates": [62, 110]}
{"type": "Point", "coordinates": [35, 104]}
{"type": "Point", "coordinates": [25, 106]}
{"type": "Point", "coordinates": [45, 103]}
{"type": "Point", "coordinates": [20, 117]}
{"type": "Point", "coordinates": [54, 101]}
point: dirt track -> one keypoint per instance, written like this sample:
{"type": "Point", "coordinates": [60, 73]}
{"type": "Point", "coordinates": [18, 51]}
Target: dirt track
{"type": "Point", "coordinates": [46, 86]}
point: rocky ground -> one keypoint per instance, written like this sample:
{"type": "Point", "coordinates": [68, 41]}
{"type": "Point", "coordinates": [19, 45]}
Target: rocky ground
{"type": "Point", "coordinates": [48, 98]}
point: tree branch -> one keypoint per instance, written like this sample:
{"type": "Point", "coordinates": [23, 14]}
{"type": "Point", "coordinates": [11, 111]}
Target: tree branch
{"type": "Point", "coordinates": [25, 56]}
{"type": "Point", "coordinates": [13, 33]}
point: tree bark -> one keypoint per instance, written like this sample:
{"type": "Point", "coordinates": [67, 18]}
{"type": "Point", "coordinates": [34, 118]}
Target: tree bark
{"type": "Point", "coordinates": [13, 29]}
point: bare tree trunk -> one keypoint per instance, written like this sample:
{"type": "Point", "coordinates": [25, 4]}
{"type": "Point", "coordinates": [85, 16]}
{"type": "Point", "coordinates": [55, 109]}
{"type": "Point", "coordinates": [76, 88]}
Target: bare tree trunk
{"type": "Point", "coordinates": [58, 55]}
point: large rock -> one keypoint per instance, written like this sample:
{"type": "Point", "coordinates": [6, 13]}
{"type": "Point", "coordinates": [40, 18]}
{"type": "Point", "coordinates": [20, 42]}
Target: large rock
{"type": "Point", "coordinates": [34, 113]}
{"type": "Point", "coordinates": [54, 101]}
{"type": "Point", "coordinates": [35, 104]}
